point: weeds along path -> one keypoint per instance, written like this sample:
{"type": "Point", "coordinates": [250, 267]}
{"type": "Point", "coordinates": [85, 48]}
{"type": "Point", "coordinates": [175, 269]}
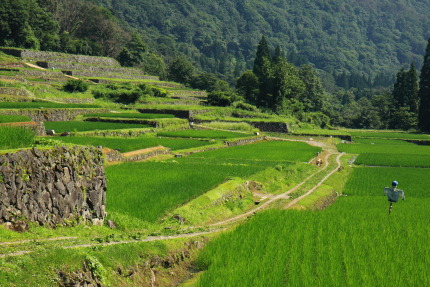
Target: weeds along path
{"type": "Point", "coordinates": [67, 242]}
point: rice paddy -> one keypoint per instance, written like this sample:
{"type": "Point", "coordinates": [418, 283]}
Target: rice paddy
{"type": "Point", "coordinates": [211, 134]}
{"type": "Point", "coordinates": [135, 143]}
{"type": "Point", "coordinates": [147, 190]}
{"type": "Point", "coordinates": [354, 242]}
{"type": "Point", "coordinates": [78, 126]}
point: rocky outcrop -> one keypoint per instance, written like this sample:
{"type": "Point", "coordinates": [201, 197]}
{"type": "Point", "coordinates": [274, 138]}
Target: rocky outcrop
{"type": "Point", "coordinates": [53, 186]}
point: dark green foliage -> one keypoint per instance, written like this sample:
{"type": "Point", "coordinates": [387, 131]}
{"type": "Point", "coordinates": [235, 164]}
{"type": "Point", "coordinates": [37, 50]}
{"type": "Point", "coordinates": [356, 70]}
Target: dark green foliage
{"type": "Point", "coordinates": [127, 93]}
{"type": "Point", "coordinates": [424, 93]}
{"type": "Point", "coordinates": [72, 26]}
{"type": "Point", "coordinates": [405, 99]}
{"type": "Point", "coordinates": [75, 86]}
{"type": "Point", "coordinates": [14, 137]}
{"type": "Point", "coordinates": [204, 81]}
{"type": "Point", "coordinates": [133, 52]}
{"type": "Point", "coordinates": [181, 70]}
{"type": "Point", "coordinates": [362, 36]}
{"type": "Point", "coordinates": [223, 98]}
{"type": "Point", "coordinates": [23, 23]}
{"type": "Point", "coordinates": [263, 56]}
{"type": "Point", "coordinates": [248, 87]}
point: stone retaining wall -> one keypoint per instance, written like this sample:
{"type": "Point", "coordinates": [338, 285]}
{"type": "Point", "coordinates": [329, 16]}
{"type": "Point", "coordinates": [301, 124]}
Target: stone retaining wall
{"type": "Point", "coordinates": [273, 127]}
{"type": "Point", "coordinates": [51, 115]}
{"type": "Point", "coordinates": [15, 92]}
{"type": "Point", "coordinates": [66, 58]}
{"type": "Point", "coordinates": [53, 186]}
{"type": "Point", "coordinates": [245, 141]}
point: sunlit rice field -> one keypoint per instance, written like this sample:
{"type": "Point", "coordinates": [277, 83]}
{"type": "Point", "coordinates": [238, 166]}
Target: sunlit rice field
{"type": "Point", "coordinates": [354, 242]}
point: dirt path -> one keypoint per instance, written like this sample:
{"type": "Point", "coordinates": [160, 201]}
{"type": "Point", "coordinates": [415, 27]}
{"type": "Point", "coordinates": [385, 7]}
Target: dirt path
{"type": "Point", "coordinates": [325, 155]}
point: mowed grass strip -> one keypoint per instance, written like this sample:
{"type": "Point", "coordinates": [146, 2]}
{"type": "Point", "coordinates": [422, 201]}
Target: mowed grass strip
{"type": "Point", "coordinates": [77, 126]}
{"type": "Point", "coordinates": [211, 134]}
{"type": "Point", "coordinates": [130, 115]}
{"type": "Point", "coordinates": [44, 105]}
{"type": "Point", "coordinates": [131, 144]}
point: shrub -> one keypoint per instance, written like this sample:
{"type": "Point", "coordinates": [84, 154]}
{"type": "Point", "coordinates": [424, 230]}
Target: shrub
{"type": "Point", "coordinates": [73, 86]}
{"type": "Point", "coordinates": [245, 106]}
{"type": "Point", "coordinates": [222, 98]}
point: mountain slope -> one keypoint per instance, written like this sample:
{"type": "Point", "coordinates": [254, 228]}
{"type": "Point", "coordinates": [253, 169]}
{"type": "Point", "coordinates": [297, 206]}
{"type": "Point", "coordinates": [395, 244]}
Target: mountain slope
{"type": "Point", "coordinates": [357, 35]}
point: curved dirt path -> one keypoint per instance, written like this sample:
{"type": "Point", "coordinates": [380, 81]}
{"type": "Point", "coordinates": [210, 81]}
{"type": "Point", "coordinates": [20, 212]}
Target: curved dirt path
{"type": "Point", "coordinates": [285, 195]}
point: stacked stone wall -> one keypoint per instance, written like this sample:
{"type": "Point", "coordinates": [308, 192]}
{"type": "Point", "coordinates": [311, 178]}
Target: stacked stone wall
{"type": "Point", "coordinates": [53, 186]}
{"type": "Point", "coordinates": [51, 115]}
{"type": "Point", "coordinates": [66, 58]}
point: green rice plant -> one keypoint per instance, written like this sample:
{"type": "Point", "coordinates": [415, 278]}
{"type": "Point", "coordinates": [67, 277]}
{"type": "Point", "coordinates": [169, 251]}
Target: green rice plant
{"type": "Point", "coordinates": [388, 135]}
{"type": "Point", "coordinates": [353, 242]}
{"type": "Point", "coordinates": [130, 115]}
{"type": "Point", "coordinates": [45, 105]}
{"type": "Point", "coordinates": [131, 144]}
{"type": "Point", "coordinates": [384, 148]}
{"type": "Point", "coordinates": [276, 151]}
{"type": "Point", "coordinates": [76, 126]}
{"type": "Point", "coordinates": [13, 118]}
{"type": "Point", "coordinates": [380, 141]}
{"type": "Point", "coordinates": [212, 134]}
{"type": "Point", "coordinates": [15, 137]}
{"type": "Point", "coordinates": [371, 181]}
{"type": "Point", "coordinates": [394, 159]}
{"type": "Point", "coordinates": [146, 190]}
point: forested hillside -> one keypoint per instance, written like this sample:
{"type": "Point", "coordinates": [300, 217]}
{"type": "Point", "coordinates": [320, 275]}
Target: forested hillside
{"type": "Point", "coordinates": [374, 37]}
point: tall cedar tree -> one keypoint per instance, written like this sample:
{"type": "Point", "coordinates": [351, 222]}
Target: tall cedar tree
{"type": "Point", "coordinates": [263, 55]}
{"type": "Point", "coordinates": [424, 93]}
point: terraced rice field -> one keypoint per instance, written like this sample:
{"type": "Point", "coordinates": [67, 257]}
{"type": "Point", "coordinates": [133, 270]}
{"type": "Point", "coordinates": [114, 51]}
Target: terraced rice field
{"type": "Point", "coordinates": [354, 242]}
{"type": "Point", "coordinates": [161, 186]}
{"type": "Point", "coordinates": [211, 134]}
{"type": "Point", "coordinates": [136, 143]}
{"type": "Point", "coordinates": [77, 126]}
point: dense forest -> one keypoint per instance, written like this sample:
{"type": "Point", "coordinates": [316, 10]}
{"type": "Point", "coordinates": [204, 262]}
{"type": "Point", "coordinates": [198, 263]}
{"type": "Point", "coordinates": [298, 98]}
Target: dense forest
{"type": "Point", "coordinates": [327, 62]}
{"type": "Point", "coordinates": [370, 38]}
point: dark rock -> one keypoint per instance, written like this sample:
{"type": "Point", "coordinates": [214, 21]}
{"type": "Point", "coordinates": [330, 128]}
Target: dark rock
{"type": "Point", "coordinates": [111, 224]}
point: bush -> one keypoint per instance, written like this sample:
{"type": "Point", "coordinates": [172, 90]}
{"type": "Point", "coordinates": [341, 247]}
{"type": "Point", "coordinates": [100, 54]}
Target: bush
{"type": "Point", "coordinates": [245, 106]}
{"type": "Point", "coordinates": [73, 86]}
{"type": "Point", "coordinates": [128, 94]}
{"type": "Point", "coordinates": [222, 98]}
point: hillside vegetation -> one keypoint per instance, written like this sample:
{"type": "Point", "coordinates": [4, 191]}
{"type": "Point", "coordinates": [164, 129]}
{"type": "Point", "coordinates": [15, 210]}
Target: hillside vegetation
{"type": "Point", "coordinates": [371, 36]}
